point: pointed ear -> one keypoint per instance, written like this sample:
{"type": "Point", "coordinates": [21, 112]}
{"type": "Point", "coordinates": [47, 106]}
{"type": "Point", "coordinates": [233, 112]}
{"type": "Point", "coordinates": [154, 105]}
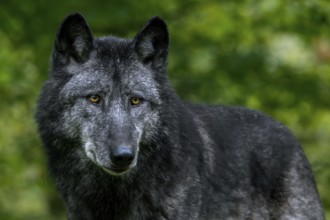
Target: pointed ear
{"type": "Point", "coordinates": [74, 39]}
{"type": "Point", "coordinates": [151, 43]}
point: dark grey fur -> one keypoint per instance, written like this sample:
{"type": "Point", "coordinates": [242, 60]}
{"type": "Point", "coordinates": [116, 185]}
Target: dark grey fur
{"type": "Point", "coordinates": [160, 158]}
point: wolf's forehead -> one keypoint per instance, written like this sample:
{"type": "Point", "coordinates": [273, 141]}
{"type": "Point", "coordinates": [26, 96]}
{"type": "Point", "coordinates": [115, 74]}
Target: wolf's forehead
{"type": "Point", "coordinates": [129, 77]}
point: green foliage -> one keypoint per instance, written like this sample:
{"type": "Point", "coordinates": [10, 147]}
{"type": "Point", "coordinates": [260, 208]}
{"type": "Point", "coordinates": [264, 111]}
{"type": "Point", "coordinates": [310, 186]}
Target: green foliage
{"type": "Point", "coordinates": [268, 55]}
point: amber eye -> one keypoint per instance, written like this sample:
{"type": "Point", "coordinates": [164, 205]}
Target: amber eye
{"type": "Point", "coordinates": [94, 99]}
{"type": "Point", "coordinates": [135, 101]}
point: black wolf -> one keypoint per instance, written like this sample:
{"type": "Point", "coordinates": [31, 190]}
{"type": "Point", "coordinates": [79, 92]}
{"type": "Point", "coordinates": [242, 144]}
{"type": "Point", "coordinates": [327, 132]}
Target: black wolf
{"type": "Point", "coordinates": [121, 145]}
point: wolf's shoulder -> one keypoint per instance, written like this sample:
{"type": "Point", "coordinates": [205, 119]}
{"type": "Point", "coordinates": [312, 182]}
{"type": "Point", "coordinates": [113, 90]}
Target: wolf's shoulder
{"type": "Point", "coordinates": [245, 135]}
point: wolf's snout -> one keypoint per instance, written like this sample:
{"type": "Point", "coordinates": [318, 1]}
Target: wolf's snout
{"type": "Point", "coordinates": [122, 156]}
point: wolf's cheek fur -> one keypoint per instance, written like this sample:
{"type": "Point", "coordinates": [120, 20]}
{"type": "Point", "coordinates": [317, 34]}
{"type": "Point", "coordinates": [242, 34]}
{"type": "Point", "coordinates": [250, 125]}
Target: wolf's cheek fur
{"type": "Point", "coordinates": [71, 121]}
{"type": "Point", "coordinates": [146, 122]}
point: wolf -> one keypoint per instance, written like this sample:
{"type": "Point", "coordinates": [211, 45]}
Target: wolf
{"type": "Point", "coordinates": [122, 145]}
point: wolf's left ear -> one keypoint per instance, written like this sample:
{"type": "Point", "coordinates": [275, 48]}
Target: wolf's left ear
{"type": "Point", "coordinates": [151, 43]}
{"type": "Point", "coordinates": [74, 39]}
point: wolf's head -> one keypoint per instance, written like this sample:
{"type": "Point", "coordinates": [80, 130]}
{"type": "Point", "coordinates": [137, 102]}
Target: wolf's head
{"type": "Point", "coordinates": [109, 91]}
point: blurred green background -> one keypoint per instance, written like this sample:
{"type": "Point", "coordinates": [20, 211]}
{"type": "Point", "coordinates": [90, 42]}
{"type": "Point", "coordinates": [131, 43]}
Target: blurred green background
{"type": "Point", "coordinates": [270, 55]}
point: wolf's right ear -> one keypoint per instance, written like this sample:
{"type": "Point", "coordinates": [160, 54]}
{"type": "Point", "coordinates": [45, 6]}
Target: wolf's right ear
{"type": "Point", "coordinates": [151, 43]}
{"type": "Point", "coordinates": [74, 39]}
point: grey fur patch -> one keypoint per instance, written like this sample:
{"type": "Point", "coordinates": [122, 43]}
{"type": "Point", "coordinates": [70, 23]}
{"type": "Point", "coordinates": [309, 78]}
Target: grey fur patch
{"type": "Point", "coordinates": [180, 194]}
{"type": "Point", "coordinates": [302, 200]}
{"type": "Point", "coordinates": [208, 144]}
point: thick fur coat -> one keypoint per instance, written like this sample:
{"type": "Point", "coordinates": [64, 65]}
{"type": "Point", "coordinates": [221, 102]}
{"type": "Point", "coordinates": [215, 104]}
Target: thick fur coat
{"type": "Point", "coordinates": [121, 145]}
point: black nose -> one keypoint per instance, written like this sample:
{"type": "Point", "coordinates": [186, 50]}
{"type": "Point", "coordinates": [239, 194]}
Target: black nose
{"type": "Point", "coordinates": [122, 156]}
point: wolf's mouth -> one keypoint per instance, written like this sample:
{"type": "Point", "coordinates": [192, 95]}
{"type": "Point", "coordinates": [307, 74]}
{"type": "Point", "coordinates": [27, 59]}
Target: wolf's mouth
{"type": "Point", "coordinates": [116, 171]}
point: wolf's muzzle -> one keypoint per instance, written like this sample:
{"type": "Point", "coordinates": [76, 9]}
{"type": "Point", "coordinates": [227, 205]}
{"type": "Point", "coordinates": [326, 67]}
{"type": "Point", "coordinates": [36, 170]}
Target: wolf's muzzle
{"type": "Point", "coordinates": [122, 156]}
